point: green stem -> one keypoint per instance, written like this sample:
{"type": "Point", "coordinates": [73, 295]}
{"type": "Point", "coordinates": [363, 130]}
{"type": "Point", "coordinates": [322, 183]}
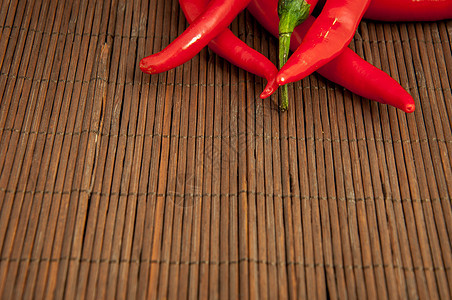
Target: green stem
{"type": "Point", "coordinates": [291, 14]}
{"type": "Point", "coordinates": [284, 43]}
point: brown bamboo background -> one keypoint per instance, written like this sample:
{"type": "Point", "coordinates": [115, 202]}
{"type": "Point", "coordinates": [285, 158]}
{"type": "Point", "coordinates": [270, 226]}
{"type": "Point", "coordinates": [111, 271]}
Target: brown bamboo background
{"type": "Point", "coordinates": [117, 184]}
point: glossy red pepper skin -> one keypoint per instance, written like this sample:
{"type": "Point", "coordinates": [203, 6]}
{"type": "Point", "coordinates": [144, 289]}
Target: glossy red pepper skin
{"type": "Point", "coordinates": [331, 32]}
{"type": "Point", "coordinates": [363, 79]}
{"type": "Point", "coordinates": [217, 16]}
{"type": "Point", "coordinates": [409, 10]}
{"type": "Point", "coordinates": [231, 48]}
{"type": "Point", "coordinates": [347, 69]}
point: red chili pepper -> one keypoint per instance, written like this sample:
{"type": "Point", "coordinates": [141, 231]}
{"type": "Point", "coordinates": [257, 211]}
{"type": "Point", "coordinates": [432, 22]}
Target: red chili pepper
{"type": "Point", "coordinates": [230, 47]}
{"type": "Point", "coordinates": [217, 16]}
{"type": "Point", "coordinates": [347, 69]}
{"type": "Point", "coordinates": [409, 10]}
{"type": "Point", "coordinates": [327, 37]}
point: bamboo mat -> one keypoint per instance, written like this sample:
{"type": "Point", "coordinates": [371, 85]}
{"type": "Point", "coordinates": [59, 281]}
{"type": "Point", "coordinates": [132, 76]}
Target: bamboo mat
{"type": "Point", "coordinates": [117, 184]}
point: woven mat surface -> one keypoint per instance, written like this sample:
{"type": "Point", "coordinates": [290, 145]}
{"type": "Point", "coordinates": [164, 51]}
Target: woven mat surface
{"type": "Point", "coordinates": [118, 184]}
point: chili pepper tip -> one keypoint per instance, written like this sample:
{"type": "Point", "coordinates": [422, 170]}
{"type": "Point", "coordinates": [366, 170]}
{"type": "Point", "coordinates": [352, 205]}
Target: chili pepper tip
{"type": "Point", "coordinates": [264, 94]}
{"type": "Point", "coordinates": [281, 80]}
{"type": "Point", "coordinates": [271, 86]}
{"type": "Point", "coordinates": [144, 67]}
{"type": "Point", "coordinates": [267, 93]}
{"type": "Point", "coordinates": [409, 108]}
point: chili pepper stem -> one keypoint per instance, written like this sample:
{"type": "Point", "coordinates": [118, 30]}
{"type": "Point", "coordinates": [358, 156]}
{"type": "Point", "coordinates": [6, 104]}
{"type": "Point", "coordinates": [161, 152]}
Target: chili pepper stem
{"type": "Point", "coordinates": [284, 44]}
{"type": "Point", "coordinates": [291, 14]}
